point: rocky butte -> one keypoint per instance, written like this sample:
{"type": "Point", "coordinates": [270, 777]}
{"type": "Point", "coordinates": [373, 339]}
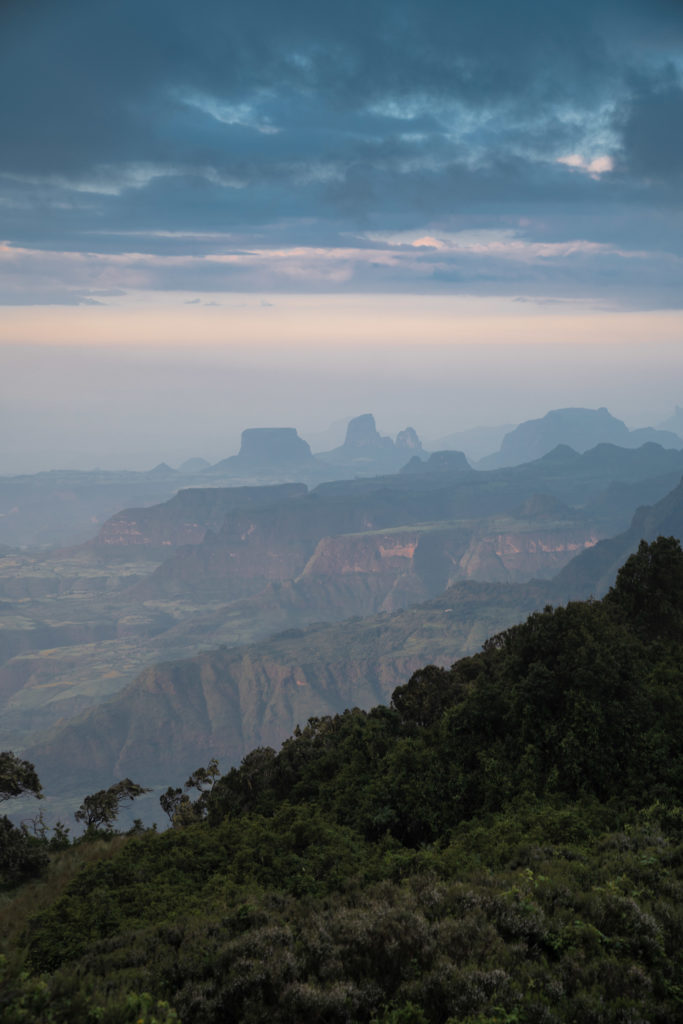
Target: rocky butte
{"type": "Point", "coordinates": [366, 450]}
{"type": "Point", "coordinates": [267, 449]}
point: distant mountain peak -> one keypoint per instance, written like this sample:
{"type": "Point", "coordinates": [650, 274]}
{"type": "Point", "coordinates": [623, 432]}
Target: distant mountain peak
{"type": "Point", "coordinates": [408, 440]}
{"type": "Point", "coordinates": [163, 469]}
{"type": "Point", "coordinates": [581, 429]}
{"type": "Point", "coordinates": [362, 433]}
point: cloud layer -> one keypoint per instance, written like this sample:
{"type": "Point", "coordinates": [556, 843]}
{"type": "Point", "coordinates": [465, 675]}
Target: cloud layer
{"type": "Point", "coordinates": [532, 149]}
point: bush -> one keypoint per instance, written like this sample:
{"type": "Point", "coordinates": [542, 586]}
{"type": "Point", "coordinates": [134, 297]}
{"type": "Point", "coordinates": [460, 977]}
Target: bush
{"type": "Point", "coordinates": [22, 856]}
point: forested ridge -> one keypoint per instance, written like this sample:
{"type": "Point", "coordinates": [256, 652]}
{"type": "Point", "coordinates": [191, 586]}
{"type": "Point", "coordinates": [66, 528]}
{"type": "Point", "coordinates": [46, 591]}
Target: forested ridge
{"type": "Point", "coordinates": [503, 843]}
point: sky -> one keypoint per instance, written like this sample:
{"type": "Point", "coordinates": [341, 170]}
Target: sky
{"type": "Point", "coordinates": [223, 215]}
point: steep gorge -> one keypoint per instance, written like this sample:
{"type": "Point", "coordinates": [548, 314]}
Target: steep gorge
{"type": "Point", "coordinates": [225, 702]}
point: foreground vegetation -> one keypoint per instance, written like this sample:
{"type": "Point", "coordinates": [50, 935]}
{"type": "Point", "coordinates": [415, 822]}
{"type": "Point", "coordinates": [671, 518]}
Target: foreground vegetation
{"type": "Point", "coordinates": [504, 843]}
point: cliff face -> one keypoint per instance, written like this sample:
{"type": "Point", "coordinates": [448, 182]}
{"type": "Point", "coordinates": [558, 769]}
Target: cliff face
{"type": "Point", "coordinates": [526, 554]}
{"type": "Point", "coordinates": [176, 716]}
{"type": "Point", "coordinates": [595, 571]}
{"type": "Point", "coordinates": [424, 561]}
{"type": "Point", "coordinates": [187, 517]}
{"type": "Point", "coordinates": [227, 568]}
{"type": "Point", "coordinates": [284, 559]}
{"type": "Point", "coordinates": [361, 573]}
{"type": "Point", "coordinates": [256, 545]}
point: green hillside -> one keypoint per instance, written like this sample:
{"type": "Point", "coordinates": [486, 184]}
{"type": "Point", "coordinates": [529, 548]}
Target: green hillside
{"type": "Point", "coordinates": [504, 843]}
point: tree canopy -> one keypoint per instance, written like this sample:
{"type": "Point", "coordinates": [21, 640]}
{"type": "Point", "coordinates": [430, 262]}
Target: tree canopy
{"type": "Point", "coordinates": [100, 810]}
{"type": "Point", "coordinates": [17, 777]}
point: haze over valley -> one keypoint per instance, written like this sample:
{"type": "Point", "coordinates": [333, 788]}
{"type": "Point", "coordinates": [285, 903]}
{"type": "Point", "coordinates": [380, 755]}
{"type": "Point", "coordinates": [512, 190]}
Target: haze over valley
{"type": "Point", "coordinates": [276, 541]}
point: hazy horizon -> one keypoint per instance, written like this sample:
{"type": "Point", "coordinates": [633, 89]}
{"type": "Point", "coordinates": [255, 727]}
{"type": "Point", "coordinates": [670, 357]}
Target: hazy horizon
{"type": "Point", "coordinates": [449, 215]}
{"type": "Point", "coordinates": [79, 408]}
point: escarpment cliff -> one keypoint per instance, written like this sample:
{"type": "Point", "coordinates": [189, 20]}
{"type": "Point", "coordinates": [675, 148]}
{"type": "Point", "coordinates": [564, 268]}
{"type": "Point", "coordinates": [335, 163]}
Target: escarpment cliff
{"type": "Point", "coordinates": [283, 558]}
{"type": "Point", "coordinates": [186, 518]}
{"type": "Point", "coordinates": [417, 563]}
{"type": "Point", "coordinates": [258, 545]}
{"type": "Point", "coordinates": [224, 703]}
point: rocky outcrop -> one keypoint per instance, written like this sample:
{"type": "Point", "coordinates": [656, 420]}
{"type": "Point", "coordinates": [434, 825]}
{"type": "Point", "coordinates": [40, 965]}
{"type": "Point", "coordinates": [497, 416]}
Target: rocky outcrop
{"type": "Point", "coordinates": [365, 449]}
{"type": "Point", "coordinates": [362, 433]}
{"type": "Point", "coordinates": [408, 441]}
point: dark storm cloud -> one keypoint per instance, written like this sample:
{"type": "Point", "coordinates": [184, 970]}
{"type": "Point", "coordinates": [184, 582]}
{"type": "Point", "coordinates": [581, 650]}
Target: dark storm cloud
{"type": "Point", "coordinates": [653, 133]}
{"type": "Point", "coordinates": [161, 127]}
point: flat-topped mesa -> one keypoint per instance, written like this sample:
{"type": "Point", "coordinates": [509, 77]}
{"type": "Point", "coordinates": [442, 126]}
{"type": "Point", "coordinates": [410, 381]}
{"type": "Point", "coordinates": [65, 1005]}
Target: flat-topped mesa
{"type": "Point", "coordinates": [269, 445]}
{"type": "Point", "coordinates": [267, 450]}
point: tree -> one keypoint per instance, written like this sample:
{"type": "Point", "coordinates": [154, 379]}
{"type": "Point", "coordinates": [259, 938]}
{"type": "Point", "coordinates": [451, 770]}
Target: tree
{"type": "Point", "coordinates": [17, 777]}
{"type": "Point", "coordinates": [178, 806]}
{"type": "Point", "coordinates": [204, 779]}
{"type": "Point", "coordinates": [648, 590]}
{"type": "Point", "coordinates": [22, 856]}
{"type": "Point", "coordinates": [171, 800]}
{"type": "Point", "coordinates": [100, 810]}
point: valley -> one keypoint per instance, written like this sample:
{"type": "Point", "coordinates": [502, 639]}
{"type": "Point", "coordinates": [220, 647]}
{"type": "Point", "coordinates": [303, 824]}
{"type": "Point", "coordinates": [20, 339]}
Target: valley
{"type": "Point", "coordinates": [224, 616]}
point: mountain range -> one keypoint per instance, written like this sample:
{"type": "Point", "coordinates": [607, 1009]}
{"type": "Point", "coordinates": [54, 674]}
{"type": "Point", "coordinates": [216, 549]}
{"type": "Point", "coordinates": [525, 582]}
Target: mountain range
{"type": "Point", "coordinates": [224, 702]}
{"type": "Point", "coordinates": [62, 507]}
{"type": "Point", "coordinates": [580, 429]}
{"type": "Point", "coordinates": [360, 580]}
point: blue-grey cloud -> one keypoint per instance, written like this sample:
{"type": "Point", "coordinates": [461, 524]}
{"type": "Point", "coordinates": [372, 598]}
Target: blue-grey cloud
{"type": "Point", "coordinates": [652, 134]}
{"type": "Point", "coordinates": [166, 129]}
